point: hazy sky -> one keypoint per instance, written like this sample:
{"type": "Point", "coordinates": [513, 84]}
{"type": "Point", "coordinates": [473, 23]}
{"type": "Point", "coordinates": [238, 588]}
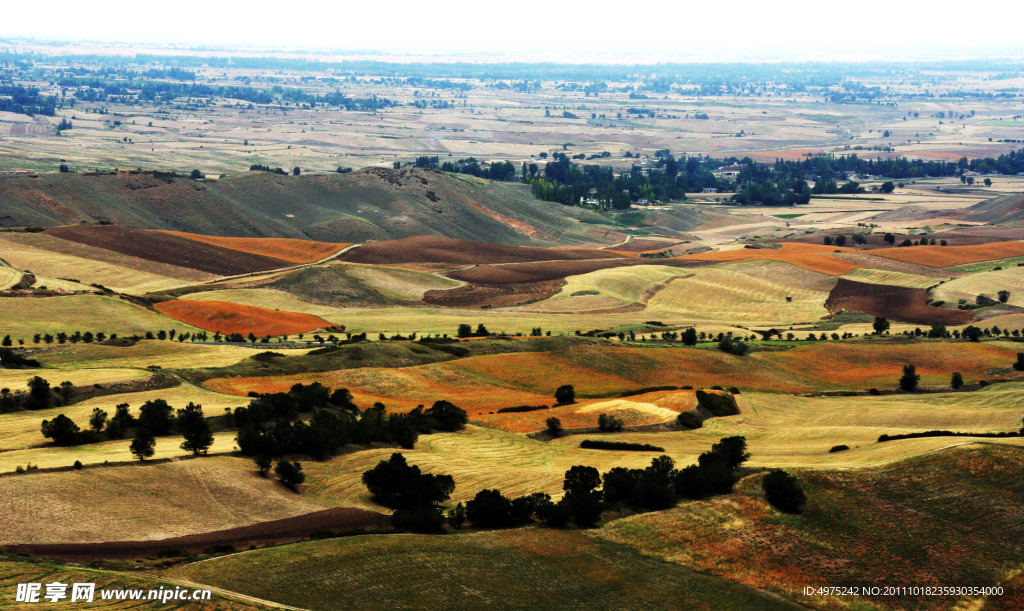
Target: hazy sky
{"type": "Point", "coordinates": [786, 28]}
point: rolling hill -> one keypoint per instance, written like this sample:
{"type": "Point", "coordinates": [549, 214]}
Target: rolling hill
{"type": "Point", "coordinates": [372, 204]}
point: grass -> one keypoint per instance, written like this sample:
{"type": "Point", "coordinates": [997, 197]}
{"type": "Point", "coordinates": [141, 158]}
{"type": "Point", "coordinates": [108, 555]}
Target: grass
{"type": "Point", "coordinates": [264, 298]}
{"type": "Point", "coordinates": [609, 288]}
{"type": "Point", "coordinates": [948, 517]}
{"type": "Point", "coordinates": [164, 354]}
{"type": "Point", "coordinates": [987, 283]}
{"type": "Point", "coordinates": [17, 379]}
{"type": "Point", "coordinates": [24, 316]}
{"type": "Point", "coordinates": [399, 284]}
{"type": "Point", "coordinates": [8, 277]}
{"type": "Point", "coordinates": [516, 569]}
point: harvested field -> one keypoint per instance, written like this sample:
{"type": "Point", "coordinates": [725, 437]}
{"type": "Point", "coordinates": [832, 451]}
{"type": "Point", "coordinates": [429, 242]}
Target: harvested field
{"type": "Point", "coordinates": [234, 318]}
{"type": "Point", "coordinates": [493, 296]}
{"type": "Point", "coordinates": [727, 296]}
{"type": "Point", "coordinates": [274, 299]}
{"type": "Point", "coordinates": [984, 283]}
{"type": "Point", "coordinates": [892, 302]}
{"type": "Point", "coordinates": [785, 274]}
{"type": "Point", "coordinates": [25, 316]}
{"type": "Point", "coordinates": [942, 517]}
{"type": "Point", "coordinates": [167, 248]}
{"type": "Point", "coordinates": [814, 257]}
{"type": "Point", "coordinates": [553, 270]}
{"type": "Point", "coordinates": [165, 354]}
{"type": "Point", "coordinates": [947, 256]}
{"type": "Point", "coordinates": [879, 276]}
{"type": "Point", "coordinates": [8, 277]}
{"type": "Point", "coordinates": [285, 249]}
{"type": "Point", "coordinates": [610, 288]}
{"type": "Point", "coordinates": [143, 502]}
{"type": "Point", "coordinates": [283, 530]}
{"type": "Point", "coordinates": [17, 379]}
{"type": "Point", "coordinates": [643, 245]}
{"type": "Point", "coordinates": [431, 249]}
{"type": "Point", "coordinates": [327, 285]}
{"type": "Point", "coordinates": [399, 284]}
{"type": "Point", "coordinates": [530, 568]}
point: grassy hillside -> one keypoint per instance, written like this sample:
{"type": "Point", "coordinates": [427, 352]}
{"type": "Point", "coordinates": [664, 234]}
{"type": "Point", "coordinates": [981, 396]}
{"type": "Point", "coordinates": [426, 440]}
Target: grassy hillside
{"type": "Point", "coordinates": [519, 569]}
{"type": "Point", "coordinates": [25, 316]}
{"type": "Point", "coordinates": [373, 204]}
{"type": "Point", "coordinates": [948, 517]}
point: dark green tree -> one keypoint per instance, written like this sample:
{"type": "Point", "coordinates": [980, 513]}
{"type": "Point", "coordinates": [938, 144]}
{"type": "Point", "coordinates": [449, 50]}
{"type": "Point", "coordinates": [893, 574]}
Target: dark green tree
{"type": "Point", "coordinates": [957, 380]}
{"type": "Point", "coordinates": [98, 420]}
{"type": "Point", "coordinates": [290, 473]}
{"type": "Point", "coordinates": [61, 430]}
{"type": "Point", "coordinates": [565, 395]}
{"type": "Point", "coordinates": [144, 444]}
{"type": "Point", "coordinates": [910, 378]}
{"type": "Point", "coordinates": [784, 492]}
{"type": "Point", "coordinates": [881, 325]}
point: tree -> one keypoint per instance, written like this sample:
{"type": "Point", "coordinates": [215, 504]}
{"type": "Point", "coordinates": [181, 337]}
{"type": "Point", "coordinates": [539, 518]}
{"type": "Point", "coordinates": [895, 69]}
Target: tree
{"type": "Point", "coordinates": [840, 240]}
{"type": "Point", "coordinates": [447, 416]}
{"type": "Point", "coordinates": [481, 331]}
{"type": "Point", "coordinates": [784, 492]}
{"type": "Point", "coordinates": [1019, 365]}
{"type": "Point", "coordinates": [889, 238]}
{"type": "Point", "coordinates": [296, 171]}
{"type": "Point", "coordinates": [290, 473]}
{"type": "Point", "coordinates": [731, 346]}
{"type": "Point", "coordinates": [6, 343]}
{"type": "Point", "coordinates": [489, 509]}
{"type": "Point", "coordinates": [937, 331]}
{"type": "Point", "coordinates": [689, 337]}
{"type": "Point", "coordinates": [887, 187]}
{"type": "Point", "coordinates": [195, 175]}
{"type": "Point", "coordinates": [263, 463]}
{"type": "Point", "coordinates": [565, 395]}
{"type": "Point", "coordinates": [910, 378]}
{"type": "Point", "coordinates": [1004, 296]}
{"type": "Point", "coordinates": [97, 420]}
{"type": "Point", "coordinates": [39, 396]}
{"type": "Point", "coordinates": [957, 380]}
{"type": "Point", "coordinates": [198, 437]}
{"type": "Point", "coordinates": [581, 479]}
{"type": "Point", "coordinates": [972, 333]}
{"type": "Point", "coordinates": [881, 325]}
{"type": "Point", "coordinates": [731, 450]}
{"type": "Point", "coordinates": [457, 516]}
{"type": "Point", "coordinates": [144, 444]}
{"type": "Point", "coordinates": [826, 240]}
{"type": "Point", "coordinates": [554, 426]}
{"type": "Point", "coordinates": [155, 417]}
{"type": "Point", "coordinates": [609, 423]}
{"type": "Point", "coordinates": [61, 430]}
{"type": "Point", "coordinates": [396, 484]}
{"type": "Point", "coordinates": [988, 182]}
{"type": "Point", "coordinates": [465, 331]}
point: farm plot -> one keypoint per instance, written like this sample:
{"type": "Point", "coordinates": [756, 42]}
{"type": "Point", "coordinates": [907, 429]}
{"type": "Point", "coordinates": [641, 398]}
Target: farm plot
{"type": "Point", "coordinates": [727, 296]}
{"type": "Point", "coordinates": [17, 379]}
{"type": "Point", "coordinates": [872, 261]}
{"type": "Point", "coordinates": [814, 257]}
{"type": "Point", "coordinates": [987, 283]}
{"type": "Point", "coordinates": [947, 256]}
{"type": "Point", "coordinates": [167, 248]}
{"type": "Point", "coordinates": [142, 502]}
{"type": "Point", "coordinates": [610, 288]}
{"type": "Point", "coordinates": [400, 284]}
{"type": "Point", "coordinates": [226, 317]}
{"type": "Point", "coordinates": [25, 316]}
{"type": "Point", "coordinates": [941, 521]}
{"type": "Point", "coordinates": [782, 273]}
{"type": "Point", "coordinates": [432, 249]}
{"type": "Point", "coordinates": [492, 296]}
{"type": "Point", "coordinates": [8, 277]}
{"type": "Point", "coordinates": [513, 569]}
{"type": "Point", "coordinates": [892, 302]}
{"type": "Point", "coordinates": [890, 278]}
{"type": "Point", "coordinates": [165, 354]}
{"type": "Point", "coordinates": [488, 275]}
{"type": "Point", "coordinates": [272, 299]}
{"type": "Point", "coordinates": [285, 249]}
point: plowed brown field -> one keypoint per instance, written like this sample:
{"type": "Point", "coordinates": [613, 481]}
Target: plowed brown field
{"type": "Point", "coordinates": [236, 318]}
{"type": "Point", "coordinates": [286, 249]}
{"type": "Point", "coordinates": [946, 256]}
{"type": "Point", "coordinates": [892, 302]}
{"type": "Point", "coordinates": [167, 248]}
{"type": "Point", "coordinates": [815, 257]}
{"type": "Point", "coordinates": [494, 296]}
{"type": "Point", "coordinates": [547, 271]}
{"type": "Point", "coordinates": [432, 249]}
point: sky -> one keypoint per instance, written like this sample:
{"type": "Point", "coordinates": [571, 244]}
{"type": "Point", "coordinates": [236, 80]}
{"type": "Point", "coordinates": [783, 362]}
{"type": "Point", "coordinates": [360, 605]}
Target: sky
{"type": "Point", "coordinates": [655, 29]}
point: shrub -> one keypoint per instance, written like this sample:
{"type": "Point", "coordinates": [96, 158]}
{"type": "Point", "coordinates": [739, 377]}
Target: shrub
{"type": "Point", "coordinates": [957, 381]}
{"type": "Point", "coordinates": [447, 416]}
{"type": "Point", "coordinates": [396, 484]}
{"type": "Point", "coordinates": [290, 473]}
{"type": "Point", "coordinates": [717, 405]}
{"type": "Point", "coordinates": [594, 444]}
{"type": "Point", "coordinates": [874, 392]}
{"type": "Point", "coordinates": [839, 448]}
{"type": "Point", "coordinates": [731, 346]}
{"type": "Point", "coordinates": [457, 516]}
{"type": "Point", "coordinates": [689, 420]}
{"type": "Point", "coordinates": [489, 509]}
{"type": "Point", "coordinates": [609, 423]}
{"type": "Point", "coordinates": [972, 333]}
{"type": "Point", "coordinates": [263, 463]}
{"type": "Point", "coordinates": [521, 408]}
{"type": "Point", "coordinates": [565, 395]}
{"type": "Point", "coordinates": [1019, 365]}
{"type": "Point", "coordinates": [784, 492]}
{"type": "Point", "coordinates": [910, 378]}
{"type": "Point", "coordinates": [78, 465]}
{"type": "Point", "coordinates": [427, 519]}
{"type": "Point", "coordinates": [554, 426]}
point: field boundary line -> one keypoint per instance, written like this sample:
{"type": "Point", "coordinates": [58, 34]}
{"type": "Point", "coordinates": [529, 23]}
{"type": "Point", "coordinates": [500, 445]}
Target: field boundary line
{"type": "Point", "coordinates": [348, 248]}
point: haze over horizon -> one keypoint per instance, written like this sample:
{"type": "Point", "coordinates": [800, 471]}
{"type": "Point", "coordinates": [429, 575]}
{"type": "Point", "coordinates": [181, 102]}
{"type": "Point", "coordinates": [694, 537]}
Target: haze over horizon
{"type": "Point", "coordinates": [661, 31]}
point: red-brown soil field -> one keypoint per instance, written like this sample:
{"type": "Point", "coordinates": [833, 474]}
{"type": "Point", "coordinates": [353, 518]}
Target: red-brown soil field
{"type": "Point", "coordinates": [968, 236]}
{"type": "Point", "coordinates": [236, 318]}
{"type": "Point", "coordinates": [892, 302]}
{"type": "Point", "coordinates": [946, 256]}
{"type": "Point", "coordinates": [815, 257]}
{"type": "Point", "coordinates": [274, 531]}
{"type": "Point", "coordinates": [167, 248]}
{"type": "Point", "coordinates": [431, 249]}
{"type": "Point", "coordinates": [285, 249]}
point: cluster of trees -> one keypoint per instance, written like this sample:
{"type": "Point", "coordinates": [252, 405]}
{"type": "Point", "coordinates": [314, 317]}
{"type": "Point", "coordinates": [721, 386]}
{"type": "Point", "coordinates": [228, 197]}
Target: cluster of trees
{"type": "Point", "coordinates": [40, 395]}
{"type": "Point", "coordinates": [271, 424]}
{"type": "Point", "coordinates": [25, 101]}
